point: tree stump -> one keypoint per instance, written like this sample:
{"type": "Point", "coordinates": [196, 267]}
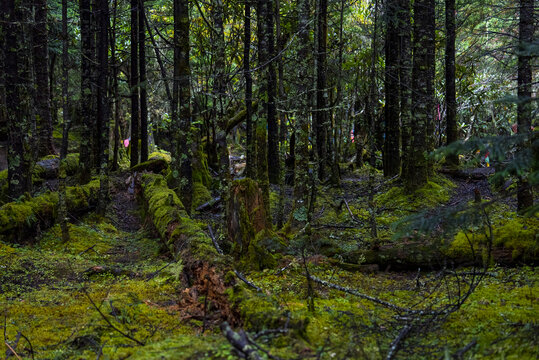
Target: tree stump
{"type": "Point", "coordinates": [249, 230]}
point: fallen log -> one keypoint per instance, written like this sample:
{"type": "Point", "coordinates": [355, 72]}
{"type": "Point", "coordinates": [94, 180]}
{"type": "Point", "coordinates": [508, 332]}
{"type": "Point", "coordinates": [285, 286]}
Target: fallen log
{"type": "Point", "coordinates": [203, 267]}
{"type": "Point", "coordinates": [21, 221]}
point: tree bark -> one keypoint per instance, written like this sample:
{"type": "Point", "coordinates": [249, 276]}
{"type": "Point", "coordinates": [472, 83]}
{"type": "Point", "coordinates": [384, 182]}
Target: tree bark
{"type": "Point", "coordinates": [405, 84]}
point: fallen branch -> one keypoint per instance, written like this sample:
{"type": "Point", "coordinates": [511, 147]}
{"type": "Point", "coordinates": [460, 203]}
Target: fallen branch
{"type": "Point", "coordinates": [394, 347]}
{"type": "Point", "coordinates": [240, 342]}
{"type": "Point", "coordinates": [242, 278]}
{"type": "Point", "coordinates": [460, 353]}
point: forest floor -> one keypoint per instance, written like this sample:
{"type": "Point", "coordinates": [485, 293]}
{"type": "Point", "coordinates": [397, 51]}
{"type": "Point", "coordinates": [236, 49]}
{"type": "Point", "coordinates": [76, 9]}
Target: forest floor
{"type": "Point", "coordinates": [113, 291]}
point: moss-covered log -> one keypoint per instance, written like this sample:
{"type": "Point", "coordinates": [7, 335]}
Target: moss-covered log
{"type": "Point", "coordinates": [20, 221]}
{"type": "Point", "coordinates": [203, 267]}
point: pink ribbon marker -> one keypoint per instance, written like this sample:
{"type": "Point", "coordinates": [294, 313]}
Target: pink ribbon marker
{"type": "Point", "coordinates": [126, 142]}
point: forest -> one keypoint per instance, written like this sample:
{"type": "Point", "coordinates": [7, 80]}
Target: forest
{"type": "Point", "coordinates": [269, 179]}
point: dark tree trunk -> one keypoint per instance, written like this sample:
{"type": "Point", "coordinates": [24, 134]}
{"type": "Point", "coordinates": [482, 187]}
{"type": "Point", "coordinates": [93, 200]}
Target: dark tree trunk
{"type": "Point", "coordinates": [143, 85]}
{"type": "Point", "coordinates": [87, 110]}
{"type": "Point", "coordinates": [301, 147]}
{"type": "Point", "coordinates": [134, 83]}
{"type": "Point", "coordinates": [102, 21]}
{"type": "Point", "coordinates": [250, 169]}
{"type": "Point", "coordinates": [219, 88]}
{"type": "Point", "coordinates": [274, 166]}
{"type": "Point", "coordinates": [182, 173]}
{"type": "Point", "coordinates": [62, 206]}
{"type": "Point", "coordinates": [405, 83]}
{"type": "Point", "coordinates": [115, 88]}
{"type": "Point", "coordinates": [17, 100]}
{"type": "Point", "coordinates": [321, 118]}
{"type": "Point", "coordinates": [41, 71]}
{"type": "Point", "coordinates": [524, 108]}
{"type": "Point", "coordinates": [94, 75]}
{"type": "Point", "coordinates": [422, 88]}
{"type": "Point", "coordinates": [450, 94]}
{"type": "Point", "coordinates": [392, 124]}
{"type": "Point", "coordinates": [262, 123]}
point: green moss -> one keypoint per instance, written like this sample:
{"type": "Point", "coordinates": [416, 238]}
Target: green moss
{"type": "Point", "coordinates": [182, 235]}
{"type": "Point", "coordinates": [262, 251]}
{"type": "Point", "coordinates": [19, 219]}
{"type": "Point", "coordinates": [154, 165]}
{"type": "Point", "coordinates": [160, 154]}
{"type": "Point", "coordinates": [201, 195]}
{"type": "Point", "coordinates": [514, 233]}
{"type": "Point", "coordinates": [201, 173]}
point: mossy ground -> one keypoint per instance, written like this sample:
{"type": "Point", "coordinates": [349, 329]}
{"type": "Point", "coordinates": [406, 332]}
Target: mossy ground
{"type": "Point", "coordinates": [45, 291]}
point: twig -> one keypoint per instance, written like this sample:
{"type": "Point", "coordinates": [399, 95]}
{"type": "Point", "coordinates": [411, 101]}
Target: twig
{"type": "Point", "coordinates": [269, 332]}
{"type": "Point", "coordinates": [108, 321]}
{"type": "Point", "coordinates": [461, 352]}
{"type": "Point", "coordinates": [354, 218]}
{"type": "Point", "coordinates": [395, 343]}
{"type": "Point", "coordinates": [242, 278]}
{"type": "Point", "coordinates": [217, 247]}
{"type": "Point", "coordinates": [376, 300]}
{"type": "Point", "coordinates": [240, 342]}
{"type": "Point", "coordinates": [12, 351]}
{"type": "Point", "coordinates": [154, 274]}
{"type": "Point", "coordinates": [88, 249]}
{"type": "Point", "coordinates": [29, 343]}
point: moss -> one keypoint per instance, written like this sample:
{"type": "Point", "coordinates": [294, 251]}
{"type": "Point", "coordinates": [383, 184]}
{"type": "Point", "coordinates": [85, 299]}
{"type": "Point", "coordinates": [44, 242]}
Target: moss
{"type": "Point", "coordinates": [514, 233]}
{"type": "Point", "coordinates": [182, 235]}
{"type": "Point", "coordinates": [201, 173]}
{"type": "Point", "coordinates": [201, 195]}
{"type": "Point", "coordinates": [160, 155]}
{"type": "Point", "coordinates": [262, 250]}
{"type": "Point", "coordinates": [20, 219]}
{"type": "Point", "coordinates": [155, 165]}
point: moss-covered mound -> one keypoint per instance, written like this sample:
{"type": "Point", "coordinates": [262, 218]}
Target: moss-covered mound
{"type": "Point", "coordinates": [20, 220]}
{"type": "Point", "coordinates": [514, 239]}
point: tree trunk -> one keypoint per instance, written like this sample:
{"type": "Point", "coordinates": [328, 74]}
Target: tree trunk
{"type": "Point", "coordinates": [422, 88]}
{"type": "Point", "coordinates": [16, 70]}
{"type": "Point", "coordinates": [524, 107]}
{"type": "Point", "coordinates": [301, 196]}
{"type": "Point", "coordinates": [405, 83]}
{"type": "Point", "coordinates": [321, 117]}
{"type": "Point", "coordinates": [181, 166]}
{"type": "Point", "coordinates": [103, 23]}
{"type": "Point", "coordinates": [450, 93]}
{"type": "Point", "coordinates": [87, 111]}
{"type": "Point", "coordinates": [250, 170]}
{"type": "Point", "coordinates": [274, 166]}
{"type": "Point", "coordinates": [134, 84]}
{"type": "Point", "coordinates": [143, 85]}
{"type": "Point", "coordinates": [261, 126]}
{"type": "Point", "coordinates": [41, 71]}
{"type": "Point", "coordinates": [62, 205]}
{"type": "Point", "coordinates": [391, 84]}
